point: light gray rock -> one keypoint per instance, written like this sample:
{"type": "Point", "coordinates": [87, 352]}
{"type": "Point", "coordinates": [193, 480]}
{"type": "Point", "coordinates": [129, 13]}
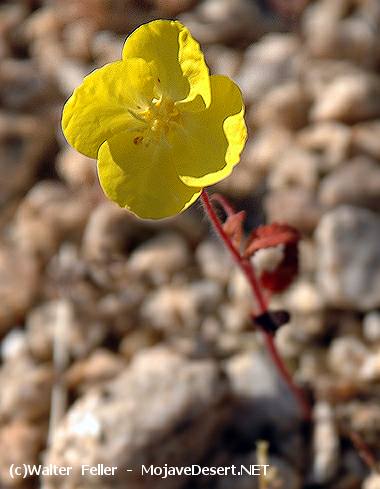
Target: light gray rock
{"type": "Point", "coordinates": [286, 104]}
{"type": "Point", "coordinates": [330, 141]}
{"type": "Point", "coordinates": [296, 167]}
{"type": "Point", "coordinates": [20, 443]}
{"type": "Point", "coordinates": [366, 138]}
{"type": "Point", "coordinates": [356, 183]}
{"type": "Point", "coordinates": [262, 397]}
{"type": "Point", "coordinates": [25, 390]}
{"type": "Point", "coordinates": [19, 284]}
{"type": "Point", "coordinates": [348, 269]}
{"type": "Point", "coordinates": [372, 482]}
{"type": "Point", "coordinates": [296, 206]}
{"type": "Point", "coordinates": [267, 63]}
{"type": "Point", "coordinates": [371, 326]}
{"type": "Point", "coordinates": [214, 21]}
{"type": "Point", "coordinates": [159, 258]}
{"type": "Point", "coordinates": [349, 98]}
{"type": "Point", "coordinates": [162, 409]}
{"type": "Point", "coordinates": [325, 444]}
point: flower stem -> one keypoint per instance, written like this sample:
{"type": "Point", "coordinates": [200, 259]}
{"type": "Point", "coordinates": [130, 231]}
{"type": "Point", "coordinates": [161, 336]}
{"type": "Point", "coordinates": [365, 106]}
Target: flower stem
{"type": "Point", "coordinates": [247, 269]}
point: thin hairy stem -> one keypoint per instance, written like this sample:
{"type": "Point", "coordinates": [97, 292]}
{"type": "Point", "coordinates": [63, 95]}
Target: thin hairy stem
{"type": "Point", "coordinates": [262, 306]}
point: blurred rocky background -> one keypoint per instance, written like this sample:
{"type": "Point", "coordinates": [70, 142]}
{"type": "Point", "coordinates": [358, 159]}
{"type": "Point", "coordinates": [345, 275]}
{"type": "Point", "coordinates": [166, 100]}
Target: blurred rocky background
{"type": "Point", "coordinates": [127, 342]}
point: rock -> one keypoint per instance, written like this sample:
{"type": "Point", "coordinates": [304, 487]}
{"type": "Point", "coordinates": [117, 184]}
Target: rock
{"type": "Point", "coordinates": [69, 74]}
{"type": "Point", "coordinates": [297, 207]}
{"type": "Point", "coordinates": [24, 142]}
{"type": "Point", "coordinates": [372, 482]}
{"type": "Point", "coordinates": [267, 146]}
{"type": "Point", "coordinates": [348, 258]}
{"type": "Point", "coordinates": [23, 88]}
{"type": "Point", "coordinates": [294, 168]}
{"type": "Point", "coordinates": [356, 183]}
{"type": "Point", "coordinates": [14, 345]}
{"type": "Point", "coordinates": [172, 8]}
{"type": "Point", "coordinates": [77, 39]}
{"type": "Point", "coordinates": [349, 98]}
{"type": "Point", "coordinates": [370, 370]}
{"type": "Point", "coordinates": [171, 308]}
{"type": "Point", "coordinates": [106, 46]}
{"type": "Point", "coordinates": [48, 213]}
{"type": "Point", "coordinates": [76, 169]}
{"type": "Point", "coordinates": [82, 333]}
{"type": "Point", "coordinates": [268, 63]}
{"type": "Point", "coordinates": [262, 398]}
{"type": "Point", "coordinates": [347, 347]}
{"type": "Point", "coordinates": [159, 258]}
{"type": "Point", "coordinates": [25, 390]}
{"type": "Point", "coordinates": [286, 105]}
{"type": "Point", "coordinates": [139, 339]}
{"type": "Point", "coordinates": [304, 297]}
{"type": "Point", "coordinates": [371, 326]}
{"type": "Point", "coordinates": [348, 30]}
{"type": "Point", "coordinates": [107, 233]}
{"type": "Point", "coordinates": [163, 407]}
{"type": "Point", "coordinates": [325, 444]}
{"type": "Point", "coordinates": [95, 370]}
{"type": "Point", "coordinates": [19, 283]}
{"type": "Point", "coordinates": [213, 261]}
{"type": "Point", "coordinates": [20, 444]}
{"type": "Point", "coordinates": [215, 21]}
{"type": "Point", "coordinates": [329, 141]}
{"type": "Point", "coordinates": [221, 59]}
{"type": "Point", "coordinates": [366, 138]}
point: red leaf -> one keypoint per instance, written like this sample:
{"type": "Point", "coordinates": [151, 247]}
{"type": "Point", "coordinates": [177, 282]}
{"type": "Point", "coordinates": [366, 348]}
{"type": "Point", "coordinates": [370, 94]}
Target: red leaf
{"type": "Point", "coordinates": [233, 227]}
{"type": "Point", "coordinates": [269, 236]}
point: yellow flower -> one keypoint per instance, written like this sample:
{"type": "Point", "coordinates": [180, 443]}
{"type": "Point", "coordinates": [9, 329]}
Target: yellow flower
{"type": "Point", "coordinates": [160, 126]}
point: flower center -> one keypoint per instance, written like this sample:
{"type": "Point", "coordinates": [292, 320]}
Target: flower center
{"type": "Point", "coordinates": [158, 120]}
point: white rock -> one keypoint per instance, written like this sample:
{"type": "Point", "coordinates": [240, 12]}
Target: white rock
{"type": "Point", "coordinates": [371, 326]}
{"type": "Point", "coordinates": [348, 258]}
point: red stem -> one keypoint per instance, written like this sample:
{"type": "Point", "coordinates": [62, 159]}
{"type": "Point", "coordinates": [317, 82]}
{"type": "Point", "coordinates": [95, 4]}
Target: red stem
{"type": "Point", "coordinates": [223, 202]}
{"type": "Point", "coordinates": [249, 272]}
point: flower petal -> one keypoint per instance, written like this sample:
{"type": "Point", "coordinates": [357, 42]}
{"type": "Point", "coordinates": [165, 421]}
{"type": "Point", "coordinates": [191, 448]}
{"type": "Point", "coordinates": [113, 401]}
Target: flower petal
{"type": "Point", "coordinates": [98, 108]}
{"type": "Point", "coordinates": [181, 71]}
{"type": "Point", "coordinates": [142, 178]}
{"type": "Point", "coordinates": [211, 141]}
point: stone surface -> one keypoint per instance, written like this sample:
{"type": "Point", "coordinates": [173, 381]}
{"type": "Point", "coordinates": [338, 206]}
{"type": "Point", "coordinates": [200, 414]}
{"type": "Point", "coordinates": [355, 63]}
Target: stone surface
{"type": "Point", "coordinates": [356, 183]}
{"type": "Point", "coordinates": [20, 444]}
{"type": "Point", "coordinates": [162, 409]}
{"type": "Point", "coordinates": [19, 281]}
{"type": "Point", "coordinates": [348, 258]}
{"type": "Point", "coordinates": [325, 444]}
{"type": "Point", "coordinates": [349, 98]}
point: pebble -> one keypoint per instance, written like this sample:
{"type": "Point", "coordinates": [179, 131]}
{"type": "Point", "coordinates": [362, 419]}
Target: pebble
{"type": "Point", "coordinates": [372, 482]}
{"type": "Point", "coordinates": [356, 183]}
{"type": "Point", "coordinates": [21, 443]}
{"type": "Point", "coordinates": [161, 399]}
{"type": "Point", "coordinates": [286, 105]}
{"type": "Point", "coordinates": [326, 456]}
{"type": "Point", "coordinates": [348, 269]}
{"type": "Point", "coordinates": [347, 347]}
{"type": "Point", "coordinates": [296, 206]}
{"type": "Point", "coordinates": [266, 64]}
{"type": "Point", "coordinates": [25, 390]}
{"type": "Point", "coordinates": [330, 141]}
{"type": "Point", "coordinates": [159, 258]}
{"type": "Point", "coordinates": [348, 98]}
{"type": "Point", "coordinates": [371, 326]}
{"type": "Point", "coordinates": [366, 138]}
{"type": "Point", "coordinates": [295, 167]}
{"type": "Point", "coordinates": [19, 285]}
